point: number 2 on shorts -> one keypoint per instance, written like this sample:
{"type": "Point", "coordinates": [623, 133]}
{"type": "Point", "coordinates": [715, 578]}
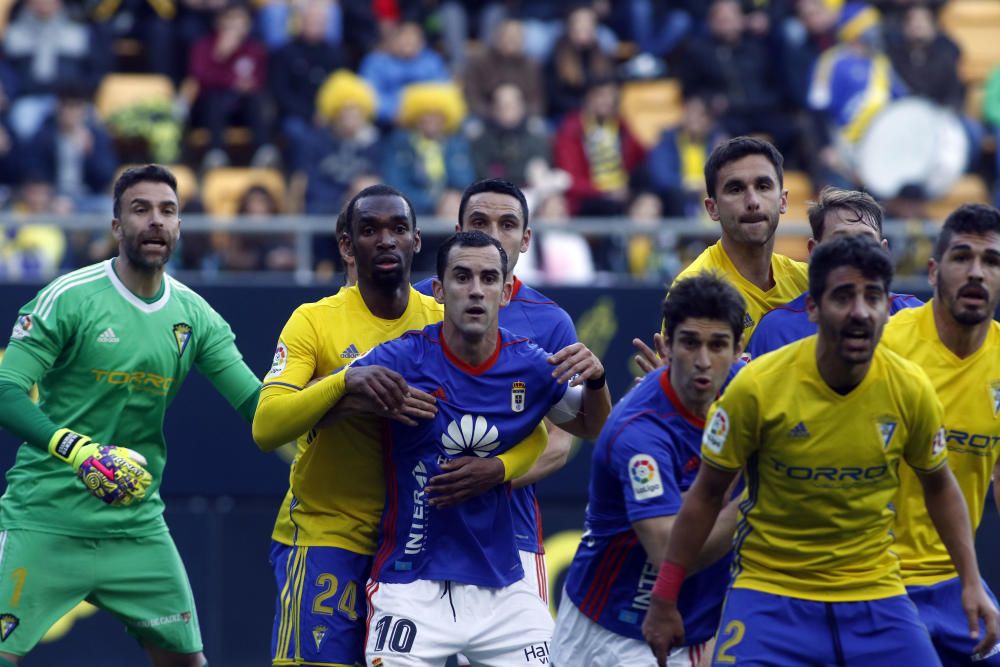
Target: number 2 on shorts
{"type": "Point", "coordinates": [734, 630]}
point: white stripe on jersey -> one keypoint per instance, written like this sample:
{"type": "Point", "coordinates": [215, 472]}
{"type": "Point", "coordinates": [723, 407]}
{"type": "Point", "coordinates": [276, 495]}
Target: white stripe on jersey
{"type": "Point", "coordinates": [3, 545]}
{"type": "Point", "coordinates": [132, 298]}
{"type": "Point", "coordinates": [50, 304]}
{"type": "Point", "coordinates": [47, 292]}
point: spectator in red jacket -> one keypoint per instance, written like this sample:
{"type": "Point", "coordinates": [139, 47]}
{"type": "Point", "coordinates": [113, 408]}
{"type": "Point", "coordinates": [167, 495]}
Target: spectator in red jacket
{"type": "Point", "coordinates": [600, 153]}
{"type": "Point", "coordinates": [230, 69]}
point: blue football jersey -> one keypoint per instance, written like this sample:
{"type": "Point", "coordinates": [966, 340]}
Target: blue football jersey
{"type": "Point", "coordinates": [482, 411]}
{"type": "Point", "coordinates": [789, 323]}
{"type": "Point", "coordinates": [531, 314]}
{"type": "Point", "coordinates": [648, 454]}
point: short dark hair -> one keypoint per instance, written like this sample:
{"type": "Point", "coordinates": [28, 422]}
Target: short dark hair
{"type": "Point", "coordinates": [151, 172]}
{"type": "Point", "coordinates": [967, 219]}
{"type": "Point", "coordinates": [474, 239]}
{"type": "Point", "coordinates": [377, 190]}
{"type": "Point", "coordinates": [736, 149]}
{"type": "Point", "coordinates": [859, 252]}
{"type": "Point", "coordinates": [704, 296]}
{"type": "Point", "coordinates": [498, 185]}
{"type": "Point", "coordinates": [860, 203]}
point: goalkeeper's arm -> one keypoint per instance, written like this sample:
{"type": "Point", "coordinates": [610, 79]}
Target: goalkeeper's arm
{"type": "Point", "coordinates": [121, 477]}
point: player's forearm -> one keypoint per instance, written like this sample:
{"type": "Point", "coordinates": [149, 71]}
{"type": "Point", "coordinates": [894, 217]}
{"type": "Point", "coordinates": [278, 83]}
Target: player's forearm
{"type": "Point", "coordinates": [517, 460]}
{"type": "Point", "coordinates": [720, 540]}
{"type": "Point", "coordinates": [552, 459]}
{"type": "Point", "coordinates": [947, 510]}
{"type": "Point", "coordinates": [595, 406]}
{"type": "Point", "coordinates": [694, 524]}
{"type": "Point", "coordinates": [19, 415]}
{"type": "Point", "coordinates": [284, 413]}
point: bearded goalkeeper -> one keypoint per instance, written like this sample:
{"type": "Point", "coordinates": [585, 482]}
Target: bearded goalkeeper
{"type": "Point", "coordinates": [109, 346]}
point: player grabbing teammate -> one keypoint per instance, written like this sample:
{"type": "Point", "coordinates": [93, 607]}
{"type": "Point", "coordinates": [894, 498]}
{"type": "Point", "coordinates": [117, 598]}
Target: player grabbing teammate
{"type": "Point", "coordinates": [837, 213]}
{"type": "Point", "coordinates": [325, 533]}
{"type": "Point", "coordinates": [646, 458]}
{"type": "Point", "coordinates": [955, 339]}
{"type": "Point", "coordinates": [498, 209]}
{"type": "Point", "coordinates": [449, 579]}
{"type": "Point", "coordinates": [819, 429]}
{"type": "Point", "coordinates": [109, 346]}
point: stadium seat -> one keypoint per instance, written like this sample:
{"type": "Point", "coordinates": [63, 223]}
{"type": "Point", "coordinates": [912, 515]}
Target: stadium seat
{"type": "Point", "coordinates": [974, 25]}
{"type": "Point", "coordinates": [649, 107]}
{"type": "Point", "coordinates": [118, 91]}
{"type": "Point", "coordinates": [969, 189]}
{"type": "Point", "coordinates": [800, 192]}
{"type": "Point", "coordinates": [222, 188]}
{"type": "Point", "coordinates": [791, 240]}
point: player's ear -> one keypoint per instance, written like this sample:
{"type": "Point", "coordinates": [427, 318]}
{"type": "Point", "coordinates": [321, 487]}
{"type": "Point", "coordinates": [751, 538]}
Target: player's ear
{"type": "Point", "coordinates": [437, 287]}
{"type": "Point", "coordinates": [526, 239]}
{"type": "Point", "coordinates": [784, 201]}
{"type": "Point", "coordinates": [345, 246]}
{"type": "Point", "coordinates": [738, 346]}
{"type": "Point", "coordinates": [116, 229]}
{"type": "Point", "coordinates": [712, 208]}
{"type": "Point", "coordinates": [508, 290]}
{"type": "Point", "coordinates": [417, 243]}
{"type": "Point", "coordinates": [812, 308]}
{"type": "Point", "coordinates": [811, 245]}
{"type": "Point", "coordinates": [932, 272]}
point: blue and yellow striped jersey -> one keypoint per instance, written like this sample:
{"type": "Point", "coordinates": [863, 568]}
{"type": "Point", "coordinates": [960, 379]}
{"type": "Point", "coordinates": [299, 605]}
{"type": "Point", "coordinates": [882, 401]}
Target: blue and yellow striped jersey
{"type": "Point", "coordinates": [970, 391]}
{"type": "Point", "coordinates": [821, 469]}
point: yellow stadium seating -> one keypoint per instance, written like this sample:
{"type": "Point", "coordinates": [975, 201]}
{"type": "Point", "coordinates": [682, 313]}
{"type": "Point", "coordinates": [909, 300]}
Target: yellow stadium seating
{"type": "Point", "coordinates": [222, 188]}
{"type": "Point", "coordinates": [975, 26]}
{"type": "Point", "coordinates": [649, 107]}
{"type": "Point", "coordinates": [800, 193]}
{"type": "Point", "coordinates": [969, 189]}
{"type": "Point", "coordinates": [118, 91]}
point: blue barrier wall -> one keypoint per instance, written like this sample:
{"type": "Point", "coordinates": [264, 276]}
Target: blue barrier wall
{"type": "Point", "coordinates": [223, 528]}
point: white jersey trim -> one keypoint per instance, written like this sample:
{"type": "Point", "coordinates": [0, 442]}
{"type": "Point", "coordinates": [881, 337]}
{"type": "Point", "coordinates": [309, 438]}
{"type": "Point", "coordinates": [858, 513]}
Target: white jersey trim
{"type": "Point", "coordinates": [132, 298]}
{"type": "Point", "coordinates": [49, 295]}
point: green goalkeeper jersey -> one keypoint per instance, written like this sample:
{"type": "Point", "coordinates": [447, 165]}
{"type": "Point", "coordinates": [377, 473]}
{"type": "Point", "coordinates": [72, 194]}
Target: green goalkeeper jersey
{"type": "Point", "coordinates": [108, 364]}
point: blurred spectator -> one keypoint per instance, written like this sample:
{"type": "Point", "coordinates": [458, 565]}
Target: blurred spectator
{"type": "Point", "coordinates": [344, 147]}
{"type": "Point", "coordinates": [30, 252]}
{"type": "Point", "coordinates": [735, 72]}
{"type": "Point", "coordinates": [150, 22]}
{"type": "Point", "coordinates": [504, 62]}
{"type": "Point", "coordinates": [454, 16]}
{"type": "Point", "coordinates": [642, 254]}
{"type": "Point", "coordinates": [11, 165]}
{"type": "Point", "coordinates": [812, 31]}
{"type": "Point", "coordinates": [657, 26]}
{"type": "Point", "coordinates": [74, 151]}
{"type": "Point", "coordinates": [276, 252]}
{"type": "Point", "coordinates": [195, 20]}
{"type": "Point", "coordinates": [230, 69]}
{"type": "Point", "coordinates": [426, 158]}
{"type": "Point", "coordinates": [505, 145]}
{"type": "Point", "coordinates": [279, 21]}
{"type": "Point", "coordinates": [600, 153]}
{"type": "Point", "coordinates": [576, 60]}
{"type": "Point", "coordinates": [853, 81]}
{"type": "Point", "coordinates": [299, 68]}
{"type": "Point", "coordinates": [676, 165]}
{"type": "Point", "coordinates": [545, 22]}
{"type": "Point", "coordinates": [926, 59]}
{"type": "Point", "coordinates": [47, 49]}
{"type": "Point", "coordinates": [403, 60]}
{"type": "Point", "coordinates": [991, 116]}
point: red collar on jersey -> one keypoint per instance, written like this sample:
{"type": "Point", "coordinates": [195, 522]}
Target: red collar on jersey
{"type": "Point", "coordinates": [672, 396]}
{"type": "Point", "coordinates": [517, 287]}
{"type": "Point", "coordinates": [463, 366]}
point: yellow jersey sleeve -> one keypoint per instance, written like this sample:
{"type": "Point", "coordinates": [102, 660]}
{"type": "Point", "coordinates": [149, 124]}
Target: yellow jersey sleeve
{"type": "Point", "coordinates": [925, 450]}
{"type": "Point", "coordinates": [730, 436]}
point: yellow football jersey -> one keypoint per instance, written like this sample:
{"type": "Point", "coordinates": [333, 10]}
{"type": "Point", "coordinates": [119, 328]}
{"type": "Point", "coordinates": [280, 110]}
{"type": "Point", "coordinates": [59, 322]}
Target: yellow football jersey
{"type": "Point", "coordinates": [336, 485]}
{"type": "Point", "coordinates": [970, 391]}
{"type": "Point", "coordinates": [791, 278]}
{"type": "Point", "coordinates": [821, 470]}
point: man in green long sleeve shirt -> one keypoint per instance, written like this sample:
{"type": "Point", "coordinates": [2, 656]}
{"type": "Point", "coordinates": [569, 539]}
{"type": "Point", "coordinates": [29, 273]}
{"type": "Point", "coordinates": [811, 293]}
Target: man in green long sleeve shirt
{"type": "Point", "coordinates": [109, 346]}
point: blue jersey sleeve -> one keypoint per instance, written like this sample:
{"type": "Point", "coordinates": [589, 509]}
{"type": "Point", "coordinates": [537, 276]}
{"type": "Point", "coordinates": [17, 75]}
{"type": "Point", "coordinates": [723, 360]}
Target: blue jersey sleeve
{"type": "Point", "coordinates": [898, 302]}
{"type": "Point", "coordinates": [644, 461]}
{"type": "Point", "coordinates": [425, 286]}
{"type": "Point", "coordinates": [563, 331]}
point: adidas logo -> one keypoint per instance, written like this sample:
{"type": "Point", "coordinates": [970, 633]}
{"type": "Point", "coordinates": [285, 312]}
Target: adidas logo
{"type": "Point", "coordinates": [350, 353]}
{"type": "Point", "coordinates": [472, 435]}
{"type": "Point", "coordinates": [439, 394]}
{"type": "Point", "coordinates": [800, 431]}
{"type": "Point", "coordinates": [107, 336]}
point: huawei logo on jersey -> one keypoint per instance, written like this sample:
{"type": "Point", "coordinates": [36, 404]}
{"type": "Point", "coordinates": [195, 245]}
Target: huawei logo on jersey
{"type": "Point", "coordinates": [470, 435]}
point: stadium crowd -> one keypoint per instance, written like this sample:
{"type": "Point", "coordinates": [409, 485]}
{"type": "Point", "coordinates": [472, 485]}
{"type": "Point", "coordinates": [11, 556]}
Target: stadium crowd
{"type": "Point", "coordinates": [328, 97]}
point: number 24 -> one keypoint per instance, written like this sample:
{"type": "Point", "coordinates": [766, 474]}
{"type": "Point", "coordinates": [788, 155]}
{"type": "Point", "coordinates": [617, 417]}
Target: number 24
{"type": "Point", "coordinates": [348, 599]}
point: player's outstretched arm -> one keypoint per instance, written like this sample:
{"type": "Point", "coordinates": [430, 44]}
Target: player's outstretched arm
{"type": "Point", "coordinates": [553, 458]}
{"type": "Point", "coordinates": [663, 626]}
{"type": "Point", "coordinates": [947, 509]}
{"type": "Point", "coordinates": [577, 365]}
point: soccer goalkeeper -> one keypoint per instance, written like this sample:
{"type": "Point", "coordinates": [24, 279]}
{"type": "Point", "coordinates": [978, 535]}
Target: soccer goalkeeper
{"type": "Point", "coordinates": [109, 346]}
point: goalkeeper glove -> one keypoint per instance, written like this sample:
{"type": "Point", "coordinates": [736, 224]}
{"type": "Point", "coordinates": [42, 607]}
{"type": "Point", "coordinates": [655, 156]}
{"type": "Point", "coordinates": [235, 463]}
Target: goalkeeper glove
{"type": "Point", "coordinates": [114, 474]}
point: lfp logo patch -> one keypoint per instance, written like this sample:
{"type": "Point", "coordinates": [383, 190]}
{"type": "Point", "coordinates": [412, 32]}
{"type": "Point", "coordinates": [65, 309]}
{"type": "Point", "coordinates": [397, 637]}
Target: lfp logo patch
{"type": "Point", "coordinates": [645, 477]}
{"type": "Point", "coordinates": [717, 431]}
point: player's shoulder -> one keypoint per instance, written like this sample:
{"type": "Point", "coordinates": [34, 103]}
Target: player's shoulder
{"type": "Point", "coordinates": [71, 288]}
{"type": "Point", "coordinates": [710, 259]}
{"type": "Point", "coordinates": [185, 294]}
{"type": "Point", "coordinates": [773, 366]}
{"type": "Point", "coordinates": [425, 286]}
{"type": "Point", "coordinates": [427, 303]}
{"type": "Point", "coordinates": [790, 269]}
{"type": "Point", "coordinates": [906, 328]}
{"type": "Point", "coordinates": [793, 309]}
{"type": "Point", "coordinates": [907, 375]}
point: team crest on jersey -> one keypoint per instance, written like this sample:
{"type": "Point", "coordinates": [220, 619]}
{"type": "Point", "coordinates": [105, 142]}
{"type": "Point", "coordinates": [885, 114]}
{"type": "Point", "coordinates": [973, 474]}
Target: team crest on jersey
{"type": "Point", "coordinates": [717, 431]}
{"type": "Point", "coordinates": [319, 635]}
{"type": "Point", "coordinates": [886, 426]}
{"type": "Point", "coordinates": [280, 358]}
{"type": "Point", "coordinates": [645, 477]}
{"type": "Point", "coordinates": [517, 392]}
{"type": "Point", "coordinates": [940, 442]}
{"type": "Point", "coordinates": [376, 662]}
{"type": "Point", "coordinates": [995, 397]}
{"type": "Point", "coordinates": [470, 435]}
{"type": "Point", "coordinates": [182, 334]}
{"type": "Point", "coordinates": [8, 623]}
{"type": "Point", "coordinates": [22, 328]}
